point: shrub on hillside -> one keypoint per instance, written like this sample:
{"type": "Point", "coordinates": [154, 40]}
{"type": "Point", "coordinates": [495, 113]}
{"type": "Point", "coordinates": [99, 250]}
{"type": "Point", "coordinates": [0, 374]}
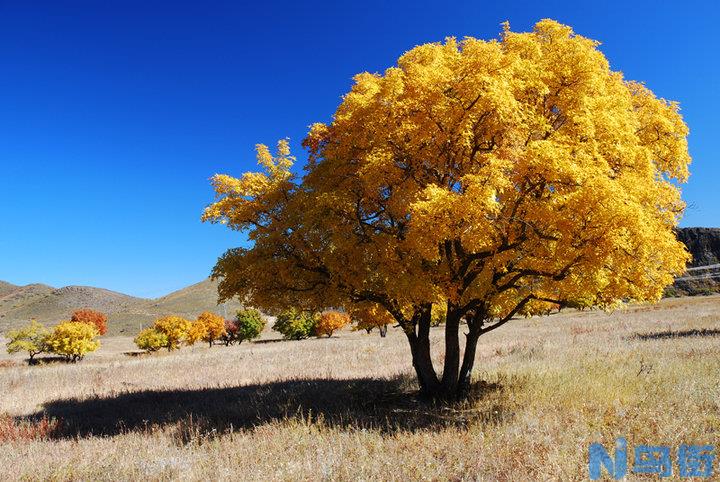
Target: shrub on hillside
{"type": "Point", "coordinates": [330, 321]}
{"type": "Point", "coordinates": [95, 318]}
{"type": "Point", "coordinates": [151, 340]}
{"type": "Point", "coordinates": [175, 328]}
{"type": "Point", "coordinates": [249, 324]}
{"type": "Point", "coordinates": [31, 338]}
{"type": "Point", "coordinates": [294, 324]}
{"type": "Point", "coordinates": [73, 340]}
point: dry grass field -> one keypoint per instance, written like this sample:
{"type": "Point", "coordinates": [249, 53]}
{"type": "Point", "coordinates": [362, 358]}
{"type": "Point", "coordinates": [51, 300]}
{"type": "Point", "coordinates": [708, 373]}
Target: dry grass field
{"type": "Point", "coordinates": [339, 408]}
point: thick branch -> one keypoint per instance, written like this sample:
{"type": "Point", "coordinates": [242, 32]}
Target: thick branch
{"type": "Point", "coordinates": [508, 317]}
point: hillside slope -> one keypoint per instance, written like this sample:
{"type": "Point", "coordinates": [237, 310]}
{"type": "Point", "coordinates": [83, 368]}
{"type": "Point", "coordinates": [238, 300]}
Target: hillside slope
{"type": "Point", "coordinates": [189, 299]}
{"type": "Point", "coordinates": [6, 288]}
{"type": "Point", "coordinates": [126, 314]}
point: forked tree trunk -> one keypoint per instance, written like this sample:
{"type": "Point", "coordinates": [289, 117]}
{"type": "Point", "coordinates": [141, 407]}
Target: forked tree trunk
{"type": "Point", "coordinates": [455, 381]}
{"type": "Point", "coordinates": [383, 330]}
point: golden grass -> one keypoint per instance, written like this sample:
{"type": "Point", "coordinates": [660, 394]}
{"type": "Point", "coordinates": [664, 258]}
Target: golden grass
{"type": "Point", "coordinates": [339, 408]}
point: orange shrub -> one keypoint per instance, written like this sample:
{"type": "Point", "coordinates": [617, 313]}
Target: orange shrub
{"type": "Point", "coordinates": [367, 317]}
{"type": "Point", "coordinates": [213, 327]}
{"type": "Point", "coordinates": [12, 430]}
{"type": "Point", "coordinates": [92, 317]}
{"type": "Point", "coordinates": [329, 321]}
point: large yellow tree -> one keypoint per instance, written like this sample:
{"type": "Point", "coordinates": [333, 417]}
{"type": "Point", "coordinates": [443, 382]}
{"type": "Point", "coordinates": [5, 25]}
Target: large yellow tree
{"type": "Point", "coordinates": [491, 177]}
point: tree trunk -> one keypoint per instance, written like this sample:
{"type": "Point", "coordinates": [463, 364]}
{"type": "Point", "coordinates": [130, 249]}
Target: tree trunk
{"type": "Point", "coordinates": [455, 382]}
{"type": "Point", "coordinates": [452, 351]}
{"type": "Point", "coordinates": [383, 330]}
{"type": "Point", "coordinates": [422, 362]}
{"type": "Point", "coordinates": [427, 378]}
{"type": "Point", "coordinates": [464, 378]}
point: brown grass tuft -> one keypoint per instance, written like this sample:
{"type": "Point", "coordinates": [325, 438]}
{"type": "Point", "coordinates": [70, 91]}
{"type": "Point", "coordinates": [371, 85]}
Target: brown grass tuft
{"type": "Point", "coordinates": [13, 429]}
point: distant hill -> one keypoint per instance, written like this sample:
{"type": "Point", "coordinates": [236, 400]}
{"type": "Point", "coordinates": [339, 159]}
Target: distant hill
{"type": "Point", "coordinates": [187, 299]}
{"type": "Point", "coordinates": [126, 314]}
{"type": "Point", "coordinates": [6, 288]}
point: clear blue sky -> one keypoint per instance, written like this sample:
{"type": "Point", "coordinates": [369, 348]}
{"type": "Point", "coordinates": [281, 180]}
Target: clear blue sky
{"type": "Point", "coordinates": [113, 115]}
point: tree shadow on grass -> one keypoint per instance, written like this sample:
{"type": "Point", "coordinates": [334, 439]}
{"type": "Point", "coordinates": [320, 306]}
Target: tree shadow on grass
{"type": "Point", "coordinates": [387, 405]}
{"type": "Point", "coordinates": [48, 360]}
{"type": "Point", "coordinates": [663, 335]}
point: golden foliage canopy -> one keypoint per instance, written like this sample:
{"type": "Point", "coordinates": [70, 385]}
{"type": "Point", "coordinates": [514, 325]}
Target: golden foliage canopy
{"type": "Point", "coordinates": [176, 329]}
{"type": "Point", "coordinates": [151, 340]}
{"type": "Point", "coordinates": [330, 321]}
{"type": "Point", "coordinates": [31, 338]}
{"type": "Point", "coordinates": [73, 339]}
{"type": "Point", "coordinates": [370, 315]}
{"type": "Point", "coordinates": [211, 326]}
{"type": "Point", "coordinates": [488, 176]}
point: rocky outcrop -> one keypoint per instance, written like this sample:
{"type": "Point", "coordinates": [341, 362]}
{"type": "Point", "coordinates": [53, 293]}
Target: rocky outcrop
{"type": "Point", "coordinates": [703, 244]}
{"type": "Point", "coordinates": [703, 274]}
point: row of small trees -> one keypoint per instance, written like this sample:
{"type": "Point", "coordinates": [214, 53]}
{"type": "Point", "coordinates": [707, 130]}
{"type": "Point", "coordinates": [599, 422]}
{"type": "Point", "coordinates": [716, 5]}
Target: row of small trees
{"type": "Point", "coordinates": [294, 324]}
{"type": "Point", "coordinates": [172, 332]}
{"type": "Point", "coordinates": [75, 338]}
{"type": "Point", "coordinates": [71, 339]}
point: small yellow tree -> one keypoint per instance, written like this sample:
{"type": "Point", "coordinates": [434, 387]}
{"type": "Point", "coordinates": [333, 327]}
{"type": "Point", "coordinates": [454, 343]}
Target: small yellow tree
{"type": "Point", "coordinates": [368, 316]}
{"type": "Point", "coordinates": [210, 327]}
{"type": "Point", "coordinates": [195, 333]}
{"type": "Point", "coordinates": [175, 328]}
{"type": "Point", "coordinates": [73, 340]}
{"type": "Point", "coordinates": [151, 340]}
{"type": "Point", "coordinates": [31, 338]}
{"type": "Point", "coordinates": [330, 321]}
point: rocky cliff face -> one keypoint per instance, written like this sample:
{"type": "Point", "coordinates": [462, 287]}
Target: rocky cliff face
{"type": "Point", "coordinates": [703, 244]}
{"type": "Point", "coordinates": [703, 275]}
